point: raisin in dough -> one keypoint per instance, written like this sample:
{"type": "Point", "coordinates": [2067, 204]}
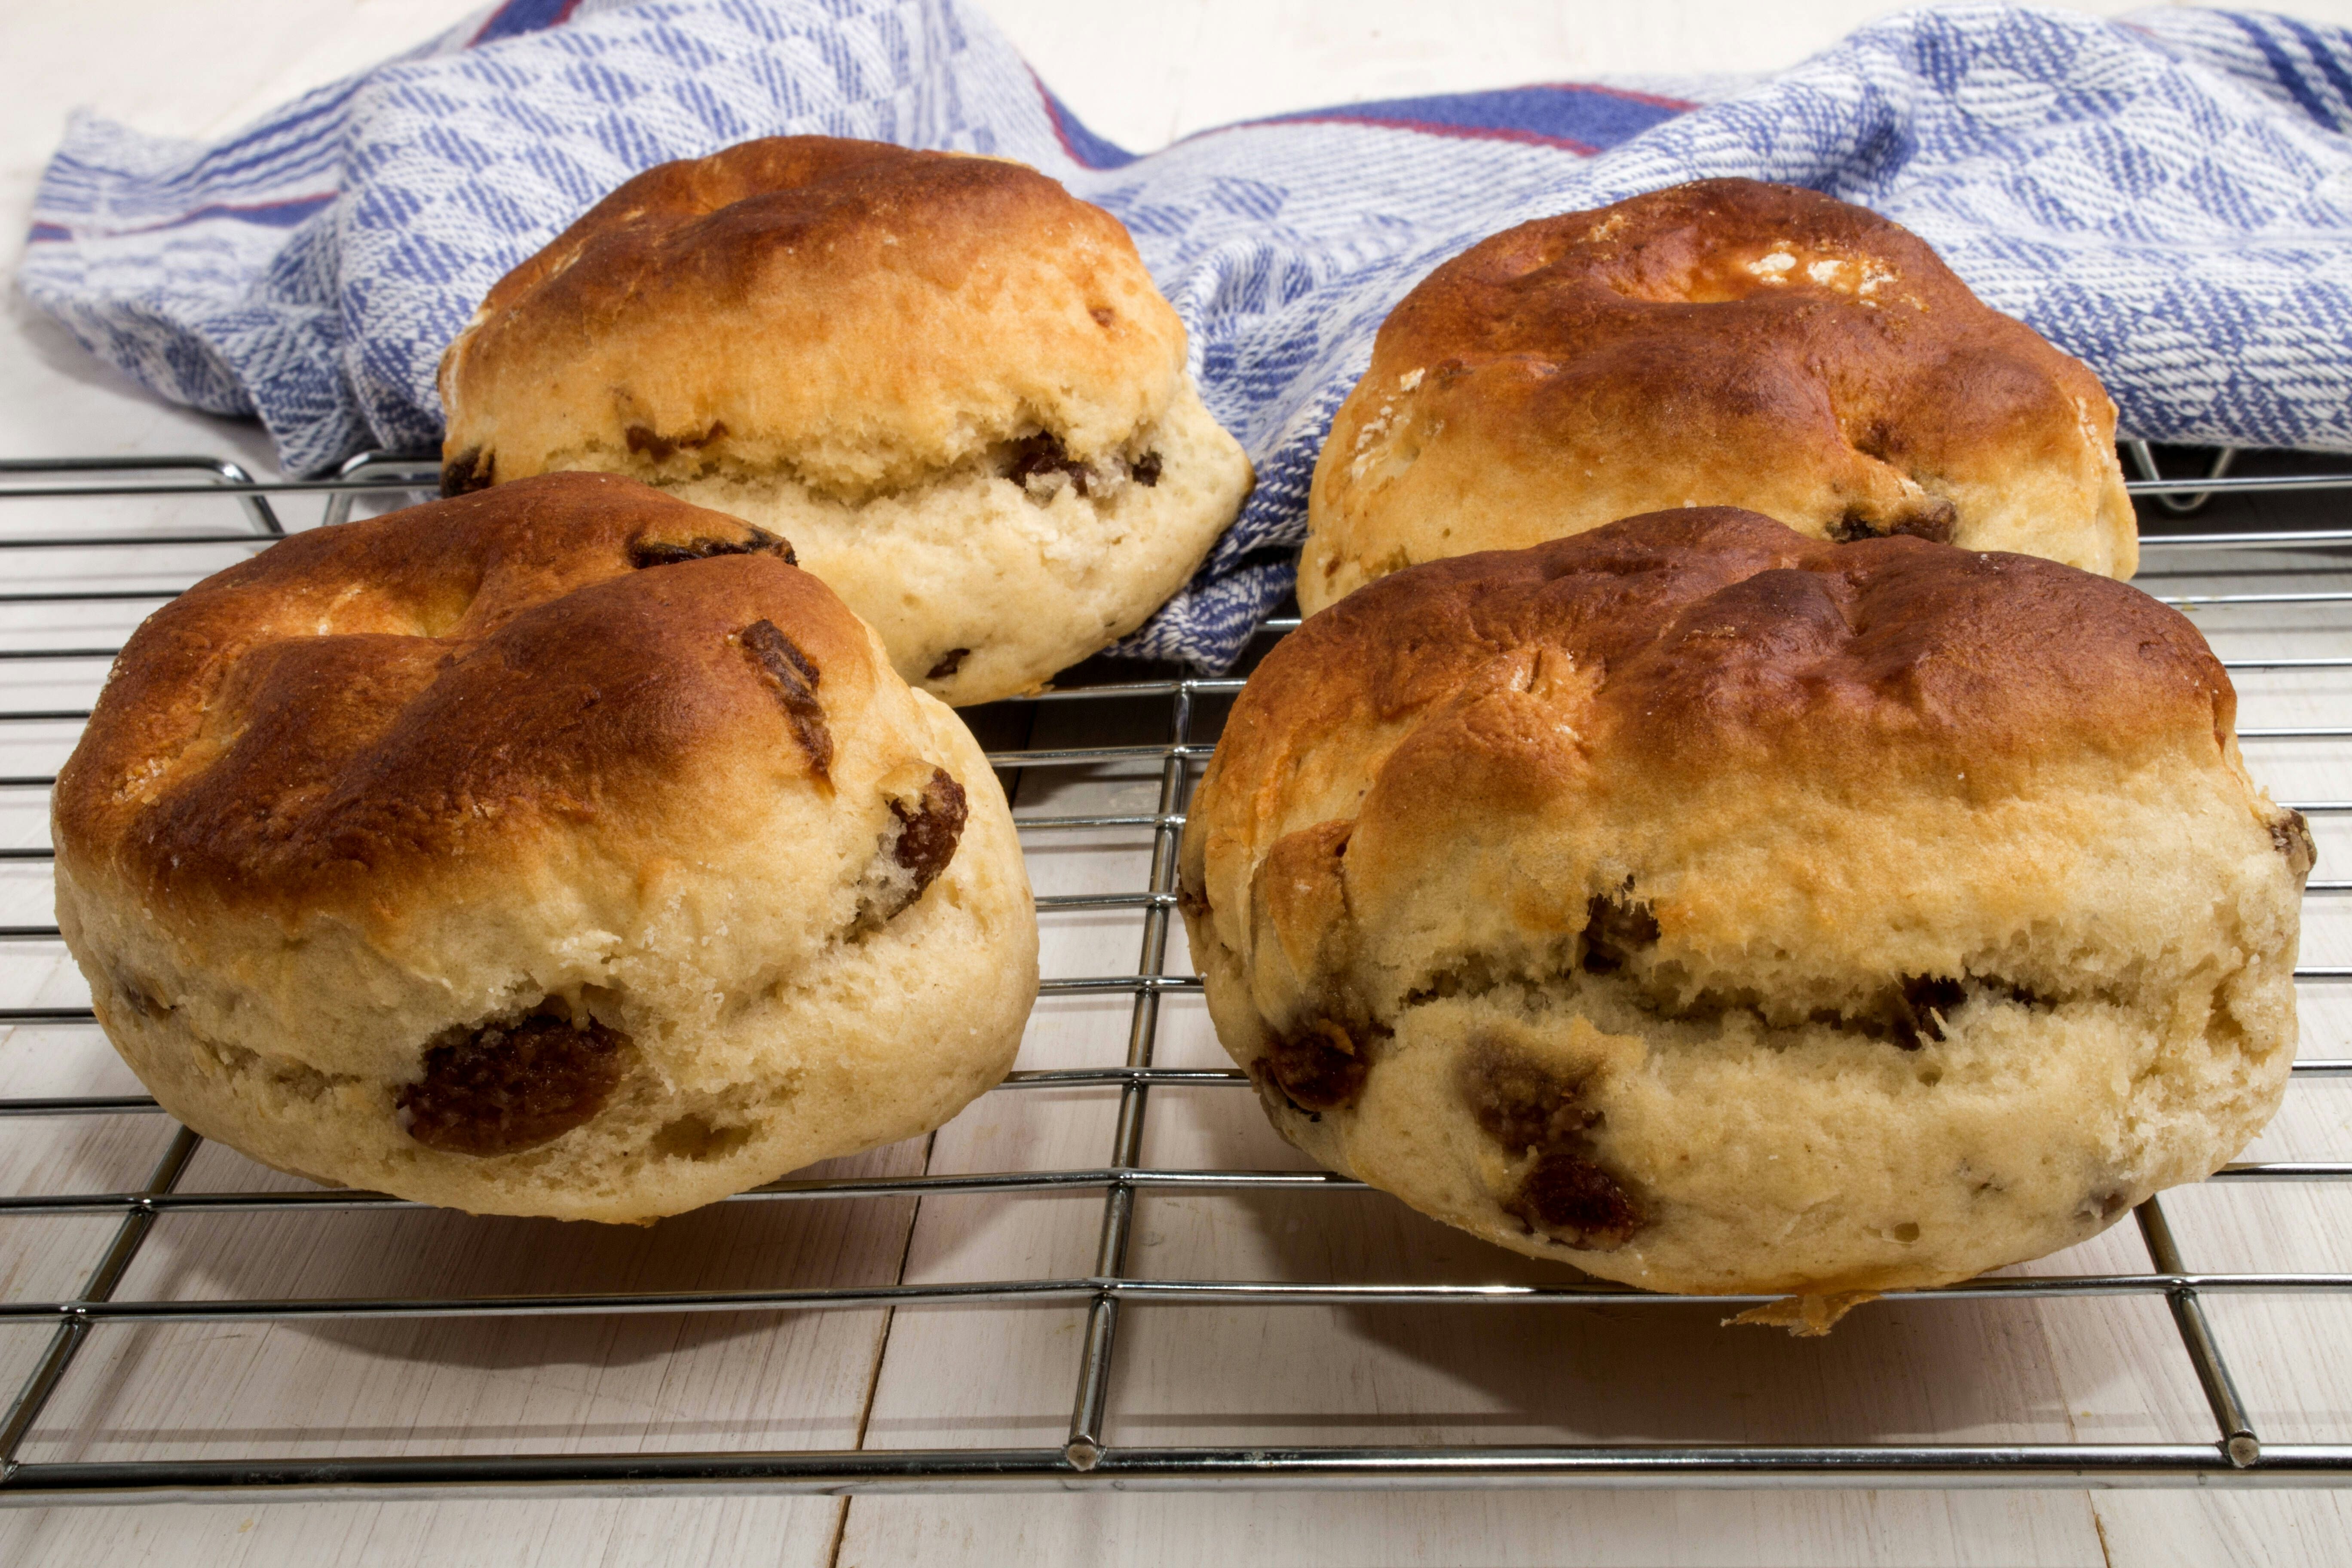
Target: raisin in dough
{"type": "Point", "coordinates": [1723, 910]}
{"type": "Point", "coordinates": [948, 382]}
{"type": "Point", "coordinates": [562, 849]}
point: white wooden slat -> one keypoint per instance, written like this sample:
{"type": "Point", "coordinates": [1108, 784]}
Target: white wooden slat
{"type": "Point", "coordinates": [1506, 1529]}
{"type": "Point", "coordinates": [2124, 1373]}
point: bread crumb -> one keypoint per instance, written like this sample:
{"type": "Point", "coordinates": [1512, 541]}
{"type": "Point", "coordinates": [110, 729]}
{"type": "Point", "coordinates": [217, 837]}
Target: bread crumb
{"type": "Point", "coordinates": [1805, 1317]}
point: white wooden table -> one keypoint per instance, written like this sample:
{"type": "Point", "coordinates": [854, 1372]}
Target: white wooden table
{"type": "Point", "coordinates": [2023, 1370]}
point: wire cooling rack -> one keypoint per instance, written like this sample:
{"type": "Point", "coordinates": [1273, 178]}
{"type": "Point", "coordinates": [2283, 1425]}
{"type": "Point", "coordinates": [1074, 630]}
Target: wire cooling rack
{"type": "Point", "coordinates": [91, 557]}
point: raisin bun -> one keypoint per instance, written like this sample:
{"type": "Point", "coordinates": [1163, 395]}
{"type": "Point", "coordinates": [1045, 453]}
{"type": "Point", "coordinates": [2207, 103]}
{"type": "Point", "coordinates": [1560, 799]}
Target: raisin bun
{"type": "Point", "coordinates": [558, 850]}
{"type": "Point", "coordinates": [1721, 910]}
{"type": "Point", "coordinates": [948, 382]}
{"type": "Point", "coordinates": [1722, 344]}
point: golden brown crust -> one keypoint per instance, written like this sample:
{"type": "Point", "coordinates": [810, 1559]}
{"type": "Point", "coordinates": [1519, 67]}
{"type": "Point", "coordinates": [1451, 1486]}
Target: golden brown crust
{"type": "Point", "coordinates": [1730, 911]}
{"type": "Point", "coordinates": [1706, 631]}
{"type": "Point", "coordinates": [562, 849]}
{"type": "Point", "coordinates": [1641, 669]}
{"type": "Point", "coordinates": [852, 314]}
{"type": "Point", "coordinates": [1724, 343]}
{"type": "Point", "coordinates": [359, 708]}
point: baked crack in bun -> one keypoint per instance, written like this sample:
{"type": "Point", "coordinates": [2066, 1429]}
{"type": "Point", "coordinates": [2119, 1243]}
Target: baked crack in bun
{"type": "Point", "coordinates": [1720, 910]}
{"type": "Point", "coordinates": [558, 850]}
{"type": "Point", "coordinates": [951, 383]}
{"type": "Point", "coordinates": [1722, 344]}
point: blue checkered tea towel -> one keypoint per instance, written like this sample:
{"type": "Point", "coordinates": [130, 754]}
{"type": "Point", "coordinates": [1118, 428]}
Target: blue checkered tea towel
{"type": "Point", "coordinates": [2169, 197]}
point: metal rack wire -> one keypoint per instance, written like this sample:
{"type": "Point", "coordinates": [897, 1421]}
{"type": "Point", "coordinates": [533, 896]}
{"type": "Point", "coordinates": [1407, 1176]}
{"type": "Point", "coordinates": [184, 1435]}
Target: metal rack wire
{"type": "Point", "coordinates": [2237, 1453]}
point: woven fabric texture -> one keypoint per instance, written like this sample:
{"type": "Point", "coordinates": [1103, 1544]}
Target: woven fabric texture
{"type": "Point", "coordinates": [2169, 197]}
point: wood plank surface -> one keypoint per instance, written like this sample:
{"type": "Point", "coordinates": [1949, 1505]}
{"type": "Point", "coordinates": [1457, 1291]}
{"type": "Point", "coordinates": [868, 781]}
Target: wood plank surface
{"type": "Point", "coordinates": [2099, 1370]}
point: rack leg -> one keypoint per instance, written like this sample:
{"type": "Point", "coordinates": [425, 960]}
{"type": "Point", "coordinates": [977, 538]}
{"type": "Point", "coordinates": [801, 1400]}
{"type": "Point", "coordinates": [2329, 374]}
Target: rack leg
{"type": "Point", "coordinates": [1086, 1415]}
{"type": "Point", "coordinates": [257, 507]}
{"type": "Point", "coordinates": [2142, 457]}
{"type": "Point", "coordinates": [2238, 1439]}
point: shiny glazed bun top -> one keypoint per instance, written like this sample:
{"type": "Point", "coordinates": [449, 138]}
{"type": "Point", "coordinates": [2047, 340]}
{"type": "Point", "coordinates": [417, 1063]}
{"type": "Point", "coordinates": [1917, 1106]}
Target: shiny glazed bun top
{"type": "Point", "coordinates": [562, 849]}
{"type": "Point", "coordinates": [857, 313]}
{"type": "Point", "coordinates": [949, 383]}
{"type": "Point", "coordinates": [1725, 343]}
{"type": "Point", "coordinates": [1724, 909]}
